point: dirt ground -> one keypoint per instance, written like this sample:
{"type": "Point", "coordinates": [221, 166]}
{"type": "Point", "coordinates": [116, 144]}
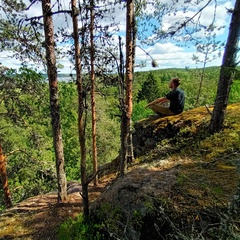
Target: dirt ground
{"type": "Point", "coordinates": [39, 217]}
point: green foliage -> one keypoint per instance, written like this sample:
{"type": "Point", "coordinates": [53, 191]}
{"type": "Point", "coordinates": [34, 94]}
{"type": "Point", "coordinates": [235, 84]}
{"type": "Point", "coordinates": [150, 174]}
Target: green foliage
{"type": "Point", "coordinates": [150, 89]}
{"type": "Point", "coordinates": [234, 95]}
{"type": "Point", "coordinates": [111, 217]}
{"type": "Point", "coordinates": [69, 118]}
{"type": "Point", "coordinates": [25, 133]}
{"type": "Point", "coordinates": [139, 111]}
{"type": "Point", "coordinates": [190, 80]}
{"type": "Point", "coordinates": [107, 129]}
{"type": "Point", "coordinates": [79, 230]}
{"type": "Point", "coordinates": [25, 125]}
{"type": "Point", "coordinates": [191, 86]}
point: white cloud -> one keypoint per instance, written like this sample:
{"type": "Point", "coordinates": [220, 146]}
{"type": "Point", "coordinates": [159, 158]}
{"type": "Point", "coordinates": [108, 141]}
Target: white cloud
{"type": "Point", "coordinates": [166, 48]}
{"type": "Point", "coordinates": [205, 18]}
{"type": "Point", "coordinates": [167, 54]}
{"type": "Point", "coordinates": [7, 60]}
{"type": "Point", "coordinates": [170, 55]}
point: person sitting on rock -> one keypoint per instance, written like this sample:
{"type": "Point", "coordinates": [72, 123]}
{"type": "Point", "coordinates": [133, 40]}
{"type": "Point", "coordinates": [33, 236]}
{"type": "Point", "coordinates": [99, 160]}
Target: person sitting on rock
{"type": "Point", "coordinates": [172, 103]}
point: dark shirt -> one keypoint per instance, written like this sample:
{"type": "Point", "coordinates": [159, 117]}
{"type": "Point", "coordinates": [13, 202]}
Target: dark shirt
{"type": "Point", "coordinates": [177, 99]}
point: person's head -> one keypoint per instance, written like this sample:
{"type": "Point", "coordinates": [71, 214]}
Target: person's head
{"type": "Point", "coordinates": [174, 83]}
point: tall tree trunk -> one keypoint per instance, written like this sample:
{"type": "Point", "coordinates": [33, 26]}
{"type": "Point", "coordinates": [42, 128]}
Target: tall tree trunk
{"type": "Point", "coordinates": [4, 179]}
{"type": "Point", "coordinates": [134, 40]}
{"type": "Point", "coordinates": [121, 90]}
{"type": "Point", "coordinates": [202, 75]}
{"type": "Point", "coordinates": [81, 120]}
{"type": "Point", "coordinates": [126, 120]}
{"type": "Point", "coordinates": [227, 71]}
{"type": "Point", "coordinates": [93, 104]}
{"type": "Point", "coordinates": [54, 99]}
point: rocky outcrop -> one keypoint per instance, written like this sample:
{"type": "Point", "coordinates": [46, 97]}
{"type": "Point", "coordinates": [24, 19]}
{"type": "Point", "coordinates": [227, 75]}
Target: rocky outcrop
{"type": "Point", "coordinates": [130, 201]}
{"type": "Point", "coordinates": [148, 133]}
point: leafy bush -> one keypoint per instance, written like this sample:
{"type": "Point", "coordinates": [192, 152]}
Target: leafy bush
{"type": "Point", "coordinates": [79, 230]}
{"type": "Point", "coordinates": [234, 95]}
{"type": "Point", "coordinates": [25, 133]}
{"type": "Point", "coordinates": [139, 111]}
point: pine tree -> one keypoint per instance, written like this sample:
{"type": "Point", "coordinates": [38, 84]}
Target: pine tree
{"type": "Point", "coordinates": [54, 99]}
{"type": "Point", "coordinates": [150, 89]}
{"type": "Point", "coordinates": [227, 71]}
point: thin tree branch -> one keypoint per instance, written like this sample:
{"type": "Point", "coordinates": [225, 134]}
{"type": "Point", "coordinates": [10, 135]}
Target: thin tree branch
{"type": "Point", "coordinates": [23, 151]}
{"type": "Point", "coordinates": [186, 22]}
{"type": "Point", "coordinates": [33, 2]}
{"type": "Point", "coordinates": [51, 13]}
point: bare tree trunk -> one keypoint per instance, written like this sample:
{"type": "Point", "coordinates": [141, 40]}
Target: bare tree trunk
{"type": "Point", "coordinates": [81, 120]}
{"type": "Point", "coordinates": [134, 39]}
{"type": "Point", "coordinates": [54, 102]}
{"type": "Point", "coordinates": [227, 71]}
{"type": "Point", "coordinates": [4, 179]}
{"type": "Point", "coordinates": [93, 104]}
{"type": "Point", "coordinates": [121, 90]}
{"type": "Point", "coordinates": [201, 80]}
{"type": "Point", "coordinates": [126, 120]}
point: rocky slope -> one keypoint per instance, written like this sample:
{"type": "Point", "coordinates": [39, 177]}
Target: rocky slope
{"type": "Point", "coordinates": [184, 183]}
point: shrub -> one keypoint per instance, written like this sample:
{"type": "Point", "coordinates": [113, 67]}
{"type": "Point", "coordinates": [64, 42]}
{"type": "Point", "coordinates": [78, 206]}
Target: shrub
{"type": "Point", "coordinates": [139, 111]}
{"type": "Point", "coordinates": [79, 230]}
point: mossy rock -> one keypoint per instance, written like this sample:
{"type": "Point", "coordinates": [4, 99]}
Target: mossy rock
{"type": "Point", "coordinates": [183, 186]}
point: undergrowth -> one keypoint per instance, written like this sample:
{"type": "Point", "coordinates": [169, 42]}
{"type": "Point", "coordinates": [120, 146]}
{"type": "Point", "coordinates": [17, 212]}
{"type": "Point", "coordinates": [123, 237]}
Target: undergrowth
{"type": "Point", "coordinates": [79, 229]}
{"type": "Point", "coordinates": [203, 204]}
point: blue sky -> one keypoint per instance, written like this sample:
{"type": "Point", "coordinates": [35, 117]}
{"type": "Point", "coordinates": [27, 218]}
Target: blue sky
{"type": "Point", "coordinates": [175, 54]}
{"type": "Point", "coordinates": [168, 54]}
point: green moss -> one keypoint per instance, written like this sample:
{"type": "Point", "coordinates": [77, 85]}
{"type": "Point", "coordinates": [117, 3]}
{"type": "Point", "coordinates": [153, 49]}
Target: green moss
{"type": "Point", "coordinates": [206, 181]}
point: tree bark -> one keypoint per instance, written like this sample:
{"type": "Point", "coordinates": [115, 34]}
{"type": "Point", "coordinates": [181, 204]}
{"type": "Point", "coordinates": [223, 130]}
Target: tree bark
{"type": "Point", "coordinates": [121, 86]}
{"type": "Point", "coordinates": [4, 179]}
{"type": "Point", "coordinates": [127, 115]}
{"type": "Point", "coordinates": [81, 120]}
{"type": "Point", "coordinates": [201, 79]}
{"type": "Point", "coordinates": [54, 99]}
{"type": "Point", "coordinates": [227, 71]}
{"type": "Point", "coordinates": [93, 103]}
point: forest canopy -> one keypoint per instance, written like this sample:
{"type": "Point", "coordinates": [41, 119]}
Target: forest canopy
{"type": "Point", "coordinates": [100, 66]}
{"type": "Point", "coordinates": [25, 130]}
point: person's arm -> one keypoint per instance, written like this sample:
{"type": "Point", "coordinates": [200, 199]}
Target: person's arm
{"type": "Point", "coordinates": [158, 100]}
